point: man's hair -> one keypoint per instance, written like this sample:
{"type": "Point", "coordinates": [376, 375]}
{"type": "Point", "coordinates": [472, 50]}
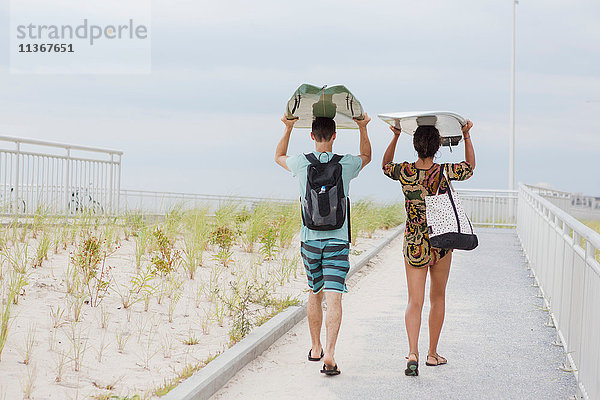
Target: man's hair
{"type": "Point", "coordinates": [323, 129]}
{"type": "Point", "coordinates": [427, 141]}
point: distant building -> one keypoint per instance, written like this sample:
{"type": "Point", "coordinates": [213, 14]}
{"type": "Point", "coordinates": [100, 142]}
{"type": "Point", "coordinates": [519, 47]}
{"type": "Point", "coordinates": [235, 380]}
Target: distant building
{"type": "Point", "coordinates": [579, 200]}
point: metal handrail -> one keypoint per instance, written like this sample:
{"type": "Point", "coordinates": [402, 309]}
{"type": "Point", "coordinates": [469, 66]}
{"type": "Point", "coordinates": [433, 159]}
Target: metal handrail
{"type": "Point", "coordinates": [499, 191]}
{"type": "Point", "coordinates": [33, 178]}
{"type": "Point", "coordinates": [199, 196]}
{"type": "Point", "coordinates": [564, 256]}
{"type": "Point", "coordinates": [490, 207]}
{"type": "Point", "coordinates": [59, 145]}
{"type": "Point", "coordinates": [583, 230]}
{"type": "Point", "coordinates": [553, 192]}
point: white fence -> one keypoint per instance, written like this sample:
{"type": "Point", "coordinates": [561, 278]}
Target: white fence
{"type": "Point", "coordinates": [158, 203]}
{"type": "Point", "coordinates": [562, 200]}
{"type": "Point", "coordinates": [577, 205]}
{"type": "Point", "coordinates": [495, 208]}
{"type": "Point", "coordinates": [563, 254]}
{"type": "Point", "coordinates": [59, 178]}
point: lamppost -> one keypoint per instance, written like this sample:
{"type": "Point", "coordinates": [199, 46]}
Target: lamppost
{"type": "Point", "coordinates": [511, 163]}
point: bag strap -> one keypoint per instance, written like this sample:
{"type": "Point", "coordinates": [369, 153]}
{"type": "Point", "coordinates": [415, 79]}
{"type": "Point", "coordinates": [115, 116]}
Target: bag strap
{"type": "Point", "coordinates": [442, 175]}
{"type": "Point", "coordinates": [336, 158]}
{"type": "Point", "coordinates": [450, 190]}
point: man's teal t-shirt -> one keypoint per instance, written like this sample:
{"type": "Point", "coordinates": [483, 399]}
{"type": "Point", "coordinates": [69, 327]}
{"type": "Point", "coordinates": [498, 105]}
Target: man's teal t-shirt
{"type": "Point", "coordinates": [351, 166]}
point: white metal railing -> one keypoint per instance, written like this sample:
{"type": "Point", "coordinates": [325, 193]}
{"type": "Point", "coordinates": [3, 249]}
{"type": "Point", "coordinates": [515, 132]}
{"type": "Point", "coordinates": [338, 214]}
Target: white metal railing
{"type": "Point", "coordinates": [60, 178]}
{"type": "Point", "coordinates": [564, 256]}
{"type": "Point", "coordinates": [561, 199]}
{"type": "Point", "coordinates": [160, 202]}
{"type": "Point", "coordinates": [496, 208]}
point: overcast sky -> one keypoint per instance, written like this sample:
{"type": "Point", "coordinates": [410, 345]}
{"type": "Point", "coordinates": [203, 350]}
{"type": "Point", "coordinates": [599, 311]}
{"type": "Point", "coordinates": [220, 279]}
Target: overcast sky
{"type": "Point", "coordinates": [206, 120]}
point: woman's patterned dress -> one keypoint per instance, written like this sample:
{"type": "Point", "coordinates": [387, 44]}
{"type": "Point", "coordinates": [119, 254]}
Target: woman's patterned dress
{"type": "Point", "coordinates": [416, 184]}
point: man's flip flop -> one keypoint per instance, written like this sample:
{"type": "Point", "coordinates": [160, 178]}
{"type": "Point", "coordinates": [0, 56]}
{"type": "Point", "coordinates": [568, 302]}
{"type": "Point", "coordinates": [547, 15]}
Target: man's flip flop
{"type": "Point", "coordinates": [330, 372]}
{"type": "Point", "coordinates": [313, 358]}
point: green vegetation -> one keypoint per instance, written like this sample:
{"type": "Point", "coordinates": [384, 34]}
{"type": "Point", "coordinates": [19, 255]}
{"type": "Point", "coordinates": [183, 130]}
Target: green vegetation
{"type": "Point", "coordinates": [89, 260]}
{"type": "Point", "coordinates": [186, 372]}
{"type": "Point", "coordinates": [595, 225]}
{"type": "Point", "coordinates": [367, 217]}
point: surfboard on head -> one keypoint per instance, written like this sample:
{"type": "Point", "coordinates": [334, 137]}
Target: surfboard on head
{"type": "Point", "coordinates": [448, 123]}
{"type": "Point", "coordinates": [335, 102]}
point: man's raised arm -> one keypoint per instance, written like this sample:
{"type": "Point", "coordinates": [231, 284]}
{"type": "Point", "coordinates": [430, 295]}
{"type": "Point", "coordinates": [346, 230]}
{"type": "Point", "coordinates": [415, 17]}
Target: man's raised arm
{"type": "Point", "coordinates": [282, 147]}
{"type": "Point", "coordinates": [365, 144]}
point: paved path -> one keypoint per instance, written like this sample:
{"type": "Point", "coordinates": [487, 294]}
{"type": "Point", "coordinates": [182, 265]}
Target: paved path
{"type": "Point", "coordinates": [494, 338]}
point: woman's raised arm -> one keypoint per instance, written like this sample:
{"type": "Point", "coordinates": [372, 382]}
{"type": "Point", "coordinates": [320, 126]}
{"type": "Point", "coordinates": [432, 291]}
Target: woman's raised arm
{"type": "Point", "coordinates": [469, 151]}
{"type": "Point", "coordinates": [388, 156]}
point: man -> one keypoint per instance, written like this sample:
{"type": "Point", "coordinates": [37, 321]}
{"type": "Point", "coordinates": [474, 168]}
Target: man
{"type": "Point", "coordinates": [324, 252]}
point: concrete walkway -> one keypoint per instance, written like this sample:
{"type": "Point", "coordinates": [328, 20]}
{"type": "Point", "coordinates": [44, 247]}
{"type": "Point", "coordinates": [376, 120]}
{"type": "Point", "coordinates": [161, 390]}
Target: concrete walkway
{"type": "Point", "coordinates": [494, 338]}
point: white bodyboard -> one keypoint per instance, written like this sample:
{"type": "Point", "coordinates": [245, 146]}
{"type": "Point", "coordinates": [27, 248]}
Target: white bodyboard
{"type": "Point", "coordinates": [448, 123]}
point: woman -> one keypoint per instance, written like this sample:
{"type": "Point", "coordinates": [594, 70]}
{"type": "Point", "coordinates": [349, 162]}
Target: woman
{"type": "Point", "coordinates": [419, 179]}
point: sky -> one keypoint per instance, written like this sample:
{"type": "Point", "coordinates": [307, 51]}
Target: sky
{"type": "Point", "coordinates": [207, 118]}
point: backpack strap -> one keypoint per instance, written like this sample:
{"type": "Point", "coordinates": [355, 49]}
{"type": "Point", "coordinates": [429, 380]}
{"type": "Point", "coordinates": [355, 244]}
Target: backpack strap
{"type": "Point", "coordinates": [348, 215]}
{"type": "Point", "coordinates": [336, 158]}
{"type": "Point", "coordinates": [312, 158]}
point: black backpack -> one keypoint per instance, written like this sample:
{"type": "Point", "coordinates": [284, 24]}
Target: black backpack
{"type": "Point", "coordinates": [325, 206]}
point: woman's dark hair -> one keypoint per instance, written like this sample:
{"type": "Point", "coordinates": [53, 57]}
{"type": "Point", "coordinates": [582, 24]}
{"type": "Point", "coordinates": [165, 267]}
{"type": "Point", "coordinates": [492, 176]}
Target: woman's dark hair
{"type": "Point", "coordinates": [427, 141]}
{"type": "Point", "coordinates": [323, 129]}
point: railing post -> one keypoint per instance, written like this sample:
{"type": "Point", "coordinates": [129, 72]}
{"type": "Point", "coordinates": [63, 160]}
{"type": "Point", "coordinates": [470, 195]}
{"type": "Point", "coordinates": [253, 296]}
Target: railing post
{"type": "Point", "coordinates": [15, 201]}
{"type": "Point", "coordinates": [119, 186]}
{"type": "Point", "coordinates": [494, 211]}
{"type": "Point", "coordinates": [111, 183]}
{"type": "Point", "coordinates": [67, 180]}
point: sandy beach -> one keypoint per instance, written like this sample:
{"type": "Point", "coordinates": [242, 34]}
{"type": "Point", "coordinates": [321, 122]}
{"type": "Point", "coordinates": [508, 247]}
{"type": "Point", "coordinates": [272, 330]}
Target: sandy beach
{"type": "Point", "coordinates": [113, 350]}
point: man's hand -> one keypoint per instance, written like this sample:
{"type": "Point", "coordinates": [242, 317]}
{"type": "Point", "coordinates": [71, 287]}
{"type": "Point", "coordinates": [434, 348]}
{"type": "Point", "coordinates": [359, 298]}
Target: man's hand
{"type": "Point", "coordinates": [362, 123]}
{"type": "Point", "coordinates": [365, 144]}
{"type": "Point", "coordinates": [467, 127]}
{"type": "Point", "coordinates": [282, 147]}
{"type": "Point", "coordinates": [396, 131]}
{"type": "Point", "coordinates": [289, 123]}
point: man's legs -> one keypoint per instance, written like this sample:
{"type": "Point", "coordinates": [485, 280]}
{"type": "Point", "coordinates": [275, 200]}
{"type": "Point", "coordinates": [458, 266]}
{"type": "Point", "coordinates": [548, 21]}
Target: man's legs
{"type": "Point", "coordinates": [332, 323]}
{"type": "Point", "coordinates": [311, 252]}
{"type": "Point", "coordinates": [335, 270]}
{"type": "Point", "coordinates": [327, 265]}
{"type": "Point", "coordinates": [315, 321]}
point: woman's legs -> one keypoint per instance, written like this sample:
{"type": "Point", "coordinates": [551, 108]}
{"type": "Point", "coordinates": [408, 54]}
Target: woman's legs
{"type": "Point", "coordinates": [439, 278]}
{"type": "Point", "coordinates": [415, 279]}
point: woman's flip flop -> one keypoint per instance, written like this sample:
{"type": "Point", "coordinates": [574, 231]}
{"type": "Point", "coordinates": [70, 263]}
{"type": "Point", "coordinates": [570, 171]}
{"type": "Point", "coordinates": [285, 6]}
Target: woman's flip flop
{"type": "Point", "coordinates": [314, 358]}
{"type": "Point", "coordinates": [412, 367]}
{"type": "Point", "coordinates": [439, 360]}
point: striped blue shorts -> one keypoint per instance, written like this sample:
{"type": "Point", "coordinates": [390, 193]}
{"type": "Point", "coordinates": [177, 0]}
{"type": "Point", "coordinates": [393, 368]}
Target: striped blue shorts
{"type": "Point", "coordinates": [326, 263]}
